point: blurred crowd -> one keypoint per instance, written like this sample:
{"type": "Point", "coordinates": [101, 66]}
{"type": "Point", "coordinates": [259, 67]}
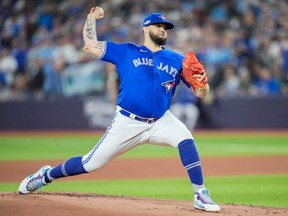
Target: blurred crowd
{"type": "Point", "coordinates": [242, 43]}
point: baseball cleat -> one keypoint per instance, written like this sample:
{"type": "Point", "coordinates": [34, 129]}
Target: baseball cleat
{"type": "Point", "coordinates": [34, 181]}
{"type": "Point", "coordinates": [202, 201]}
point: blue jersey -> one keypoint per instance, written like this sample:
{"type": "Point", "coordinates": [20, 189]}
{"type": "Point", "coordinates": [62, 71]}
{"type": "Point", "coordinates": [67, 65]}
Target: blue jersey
{"type": "Point", "coordinates": [147, 80]}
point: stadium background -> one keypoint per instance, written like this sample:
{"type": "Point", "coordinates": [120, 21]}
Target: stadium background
{"type": "Point", "coordinates": [43, 69]}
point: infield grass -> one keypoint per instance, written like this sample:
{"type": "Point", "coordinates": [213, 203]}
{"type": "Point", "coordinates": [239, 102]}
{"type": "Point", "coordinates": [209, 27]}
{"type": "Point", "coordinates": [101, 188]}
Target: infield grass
{"type": "Point", "coordinates": [62, 147]}
{"type": "Point", "coordinates": [264, 190]}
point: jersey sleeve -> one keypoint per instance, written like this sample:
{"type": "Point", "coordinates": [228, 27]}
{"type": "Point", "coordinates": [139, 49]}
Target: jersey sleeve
{"type": "Point", "coordinates": [184, 81]}
{"type": "Point", "coordinates": [114, 52]}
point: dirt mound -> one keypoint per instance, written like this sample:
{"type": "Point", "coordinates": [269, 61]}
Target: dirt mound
{"type": "Point", "coordinates": [70, 204]}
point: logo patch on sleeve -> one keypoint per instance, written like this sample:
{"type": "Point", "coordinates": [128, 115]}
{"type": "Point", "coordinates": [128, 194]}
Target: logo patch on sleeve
{"type": "Point", "coordinates": [168, 85]}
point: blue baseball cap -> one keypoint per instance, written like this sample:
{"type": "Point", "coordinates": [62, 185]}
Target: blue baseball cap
{"type": "Point", "coordinates": [156, 18]}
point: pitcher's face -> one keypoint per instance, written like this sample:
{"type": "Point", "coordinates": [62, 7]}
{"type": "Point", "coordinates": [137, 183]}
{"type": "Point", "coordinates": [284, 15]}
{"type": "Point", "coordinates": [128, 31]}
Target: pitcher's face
{"type": "Point", "coordinates": [158, 34]}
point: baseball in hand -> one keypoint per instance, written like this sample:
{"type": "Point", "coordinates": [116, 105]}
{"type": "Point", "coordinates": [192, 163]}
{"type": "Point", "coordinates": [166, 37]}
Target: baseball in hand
{"type": "Point", "coordinates": [96, 12]}
{"type": "Point", "coordinates": [100, 12]}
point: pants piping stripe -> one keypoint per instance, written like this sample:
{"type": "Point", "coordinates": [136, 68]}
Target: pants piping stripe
{"type": "Point", "coordinates": [99, 143]}
{"type": "Point", "coordinates": [95, 148]}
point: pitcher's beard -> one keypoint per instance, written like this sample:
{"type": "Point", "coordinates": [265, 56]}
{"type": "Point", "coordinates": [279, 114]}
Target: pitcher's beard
{"type": "Point", "coordinates": [157, 40]}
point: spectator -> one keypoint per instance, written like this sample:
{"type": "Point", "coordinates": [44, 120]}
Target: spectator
{"type": "Point", "coordinates": [19, 88]}
{"type": "Point", "coordinates": [229, 87]}
{"type": "Point", "coordinates": [19, 51]}
{"type": "Point", "coordinates": [245, 83]}
{"type": "Point", "coordinates": [5, 93]}
{"type": "Point", "coordinates": [8, 65]}
{"type": "Point", "coordinates": [266, 84]}
{"type": "Point", "coordinates": [246, 34]}
{"type": "Point", "coordinates": [36, 79]}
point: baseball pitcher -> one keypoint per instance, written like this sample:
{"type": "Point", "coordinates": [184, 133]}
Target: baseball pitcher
{"type": "Point", "coordinates": [149, 75]}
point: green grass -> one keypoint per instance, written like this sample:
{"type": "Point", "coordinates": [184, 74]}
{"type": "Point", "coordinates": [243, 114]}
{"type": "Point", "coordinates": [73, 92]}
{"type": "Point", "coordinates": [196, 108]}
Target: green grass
{"type": "Point", "coordinates": [55, 147]}
{"type": "Point", "coordinates": [41, 148]}
{"type": "Point", "coordinates": [266, 190]}
{"type": "Point", "coordinates": [242, 145]}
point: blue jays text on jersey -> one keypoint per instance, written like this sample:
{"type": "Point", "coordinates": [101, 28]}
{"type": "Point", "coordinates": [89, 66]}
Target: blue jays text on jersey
{"type": "Point", "coordinates": [145, 61]}
{"type": "Point", "coordinates": [147, 80]}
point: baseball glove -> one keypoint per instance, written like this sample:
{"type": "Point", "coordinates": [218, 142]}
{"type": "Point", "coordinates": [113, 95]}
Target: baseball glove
{"type": "Point", "coordinates": [193, 71]}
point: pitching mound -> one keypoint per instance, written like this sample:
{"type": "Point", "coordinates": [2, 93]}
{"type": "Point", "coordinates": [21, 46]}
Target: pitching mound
{"type": "Point", "coordinates": [70, 204]}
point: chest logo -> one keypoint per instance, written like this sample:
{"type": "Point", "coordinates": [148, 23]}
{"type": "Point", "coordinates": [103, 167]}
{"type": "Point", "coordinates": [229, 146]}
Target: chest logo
{"type": "Point", "coordinates": [168, 85]}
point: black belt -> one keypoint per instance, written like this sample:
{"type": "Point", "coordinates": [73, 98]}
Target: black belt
{"type": "Point", "coordinates": [138, 118]}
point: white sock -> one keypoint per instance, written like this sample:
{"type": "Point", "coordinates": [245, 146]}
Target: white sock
{"type": "Point", "coordinates": [198, 187]}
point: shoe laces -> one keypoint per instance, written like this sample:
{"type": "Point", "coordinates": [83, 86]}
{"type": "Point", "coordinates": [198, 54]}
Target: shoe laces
{"type": "Point", "coordinates": [35, 183]}
{"type": "Point", "coordinates": [204, 197]}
